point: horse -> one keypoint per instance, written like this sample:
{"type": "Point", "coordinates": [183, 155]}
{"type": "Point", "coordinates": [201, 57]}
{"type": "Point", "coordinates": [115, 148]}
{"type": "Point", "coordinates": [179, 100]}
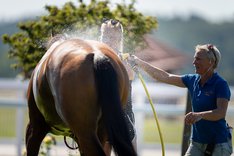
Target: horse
{"type": "Point", "coordinates": [79, 89]}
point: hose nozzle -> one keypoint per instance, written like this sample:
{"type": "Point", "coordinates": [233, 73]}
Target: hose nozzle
{"type": "Point", "coordinates": [124, 56]}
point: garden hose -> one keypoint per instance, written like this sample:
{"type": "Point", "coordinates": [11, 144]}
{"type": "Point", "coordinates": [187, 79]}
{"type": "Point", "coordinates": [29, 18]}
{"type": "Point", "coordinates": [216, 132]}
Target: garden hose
{"type": "Point", "coordinates": [124, 56]}
{"type": "Point", "coordinates": [154, 112]}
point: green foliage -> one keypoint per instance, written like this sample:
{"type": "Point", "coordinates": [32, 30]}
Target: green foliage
{"type": "Point", "coordinates": [29, 45]}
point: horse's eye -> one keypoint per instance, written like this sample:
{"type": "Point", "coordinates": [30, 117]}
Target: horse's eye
{"type": "Point", "coordinates": [114, 22]}
{"type": "Point", "coordinates": [105, 20]}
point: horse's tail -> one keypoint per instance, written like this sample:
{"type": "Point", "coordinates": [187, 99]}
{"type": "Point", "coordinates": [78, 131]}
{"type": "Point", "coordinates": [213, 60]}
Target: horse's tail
{"type": "Point", "coordinates": [113, 115]}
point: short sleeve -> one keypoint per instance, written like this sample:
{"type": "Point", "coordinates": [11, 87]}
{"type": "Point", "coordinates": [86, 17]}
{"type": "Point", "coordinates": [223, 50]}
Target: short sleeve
{"type": "Point", "coordinates": [185, 79]}
{"type": "Point", "coordinates": [188, 80]}
{"type": "Point", "coordinates": [223, 90]}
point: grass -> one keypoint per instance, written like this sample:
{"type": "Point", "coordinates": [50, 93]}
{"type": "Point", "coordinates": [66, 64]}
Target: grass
{"type": "Point", "coordinates": [171, 129]}
{"type": "Point", "coordinates": [7, 122]}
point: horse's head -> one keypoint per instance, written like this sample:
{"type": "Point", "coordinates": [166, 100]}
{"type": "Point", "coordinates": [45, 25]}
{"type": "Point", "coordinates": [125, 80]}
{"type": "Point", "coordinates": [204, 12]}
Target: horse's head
{"type": "Point", "coordinates": [112, 34]}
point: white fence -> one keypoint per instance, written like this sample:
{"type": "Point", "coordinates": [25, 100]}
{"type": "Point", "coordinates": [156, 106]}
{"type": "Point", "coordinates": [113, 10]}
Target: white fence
{"type": "Point", "coordinates": [168, 100]}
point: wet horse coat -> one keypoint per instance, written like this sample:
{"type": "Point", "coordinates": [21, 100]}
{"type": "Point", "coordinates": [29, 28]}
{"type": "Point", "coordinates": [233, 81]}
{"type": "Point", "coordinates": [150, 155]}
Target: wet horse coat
{"type": "Point", "coordinates": [79, 87]}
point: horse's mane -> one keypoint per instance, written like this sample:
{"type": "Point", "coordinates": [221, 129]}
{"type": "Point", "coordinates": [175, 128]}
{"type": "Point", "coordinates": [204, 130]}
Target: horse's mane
{"type": "Point", "coordinates": [54, 39]}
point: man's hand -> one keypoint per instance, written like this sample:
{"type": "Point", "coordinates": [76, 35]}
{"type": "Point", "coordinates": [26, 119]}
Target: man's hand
{"type": "Point", "coordinates": [132, 62]}
{"type": "Point", "coordinates": [124, 56]}
{"type": "Point", "coordinates": [192, 117]}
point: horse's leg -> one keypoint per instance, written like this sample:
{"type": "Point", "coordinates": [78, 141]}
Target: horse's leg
{"type": "Point", "coordinates": [37, 127]}
{"type": "Point", "coordinates": [103, 137]}
{"type": "Point", "coordinates": [87, 139]}
{"type": "Point", "coordinates": [89, 145]}
{"type": "Point", "coordinates": [107, 148]}
{"type": "Point", "coordinates": [84, 123]}
{"type": "Point", "coordinates": [85, 129]}
{"type": "Point", "coordinates": [79, 106]}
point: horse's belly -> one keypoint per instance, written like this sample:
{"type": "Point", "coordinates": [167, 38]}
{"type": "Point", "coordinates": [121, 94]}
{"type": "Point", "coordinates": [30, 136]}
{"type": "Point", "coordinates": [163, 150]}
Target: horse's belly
{"type": "Point", "coordinates": [58, 127]}
{"type": "Point", "coordinates": [45, 103]}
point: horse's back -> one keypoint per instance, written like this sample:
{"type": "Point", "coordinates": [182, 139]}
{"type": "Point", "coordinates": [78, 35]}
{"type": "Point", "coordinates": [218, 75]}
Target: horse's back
{"type": "Point", "coordinates": [66, 76]}
{"type": "Point", "coordinates": [76, 83]}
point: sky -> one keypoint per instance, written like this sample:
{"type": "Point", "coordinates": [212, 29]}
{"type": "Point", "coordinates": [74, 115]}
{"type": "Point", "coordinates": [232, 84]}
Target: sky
{"type": "Point", "coordinates": [213, 10]}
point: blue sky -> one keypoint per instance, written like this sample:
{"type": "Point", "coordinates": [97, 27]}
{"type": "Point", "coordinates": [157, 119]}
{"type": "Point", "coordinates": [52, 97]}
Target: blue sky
{"type": "Point", "coordinates": [214, 10]}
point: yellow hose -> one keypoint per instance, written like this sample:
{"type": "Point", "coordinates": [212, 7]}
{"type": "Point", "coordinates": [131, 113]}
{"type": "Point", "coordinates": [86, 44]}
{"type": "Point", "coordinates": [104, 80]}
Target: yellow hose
{"type": "Point", "coordinates": [124, 56]}
{"type": "Point", "coordinates": [154, 112]}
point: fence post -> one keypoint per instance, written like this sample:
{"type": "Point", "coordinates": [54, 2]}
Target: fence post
{"type": "Point", "coordinates": [19, 129]}
{"type": "Point", "coordinates": [20, 120]}
{"type": "Point", "coordinates": [187, 128]}
{"type": "Point", "coordinates": [138, 101]}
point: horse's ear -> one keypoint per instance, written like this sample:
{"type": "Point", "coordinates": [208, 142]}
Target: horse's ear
{"type": "Point", "coordinates": [52, 33]}
{"type": "Point", "coordinates": [105, 20]}
{"type": "Point", "coordinates": [50, 39]}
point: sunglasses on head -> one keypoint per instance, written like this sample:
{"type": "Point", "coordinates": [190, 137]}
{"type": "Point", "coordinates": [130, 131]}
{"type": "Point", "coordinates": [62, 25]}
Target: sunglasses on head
{"type": "Point", "coordinates": [211, 49]}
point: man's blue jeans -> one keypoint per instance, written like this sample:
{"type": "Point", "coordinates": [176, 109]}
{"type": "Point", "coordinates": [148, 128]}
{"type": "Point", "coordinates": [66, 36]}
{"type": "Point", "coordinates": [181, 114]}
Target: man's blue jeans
{"type": "Point", "coordinates": [198, 149]}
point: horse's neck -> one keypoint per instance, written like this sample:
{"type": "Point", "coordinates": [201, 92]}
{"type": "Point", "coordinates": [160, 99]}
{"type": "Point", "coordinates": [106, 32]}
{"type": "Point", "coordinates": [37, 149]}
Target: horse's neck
{"type": "Point", "coordinates": [51, 49]}
{"type": "Point", "coordinates": [117, 46]}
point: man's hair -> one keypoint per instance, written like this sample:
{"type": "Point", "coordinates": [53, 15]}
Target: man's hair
{"type": "Point", "coordinates": [212, 53]}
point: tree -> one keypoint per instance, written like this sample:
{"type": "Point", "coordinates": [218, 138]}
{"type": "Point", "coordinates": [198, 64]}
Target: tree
{"type": "Point", "coordinates": [29, 44]}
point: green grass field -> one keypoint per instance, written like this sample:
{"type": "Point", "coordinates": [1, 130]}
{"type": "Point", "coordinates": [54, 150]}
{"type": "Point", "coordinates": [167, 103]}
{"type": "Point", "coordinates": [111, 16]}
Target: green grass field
{"type": "Point", "coordinates": [7, 122]}
{"type": "Point", "coordinates": [172, 129]}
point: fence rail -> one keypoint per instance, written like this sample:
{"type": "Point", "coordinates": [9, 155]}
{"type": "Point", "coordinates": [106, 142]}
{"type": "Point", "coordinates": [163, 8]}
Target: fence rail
{"type": "Point", "coordinates": [168, 100]}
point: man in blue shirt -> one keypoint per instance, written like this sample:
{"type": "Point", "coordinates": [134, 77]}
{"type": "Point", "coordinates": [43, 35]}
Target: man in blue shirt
{"type": "Point", "coordinates": [204, 99]}
{"type": "Point", "coordinates": [210, 95]}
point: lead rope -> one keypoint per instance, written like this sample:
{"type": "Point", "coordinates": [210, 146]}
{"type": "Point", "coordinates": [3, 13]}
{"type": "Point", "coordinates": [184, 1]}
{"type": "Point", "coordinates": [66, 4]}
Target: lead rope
{"type": "Point", "coordinates": [73, 146]}
{"type": "Point", "coordinates": [124, 57]}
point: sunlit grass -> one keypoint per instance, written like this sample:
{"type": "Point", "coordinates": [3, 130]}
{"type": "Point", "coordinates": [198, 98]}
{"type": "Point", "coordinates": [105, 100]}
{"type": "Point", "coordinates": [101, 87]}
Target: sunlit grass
{"type": "Point", "coordinates": [172, 130]}
{"type": "Point", "coordinates": [7, 122]}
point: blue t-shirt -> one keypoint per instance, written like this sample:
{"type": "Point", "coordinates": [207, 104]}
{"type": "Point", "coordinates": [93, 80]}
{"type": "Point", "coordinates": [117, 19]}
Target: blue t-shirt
{"type": "Point", "coordinates": [203, 99]}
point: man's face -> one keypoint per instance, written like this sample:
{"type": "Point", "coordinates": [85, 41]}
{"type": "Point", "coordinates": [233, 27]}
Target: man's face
{"type": "Point", "coordinates": [201, 62]}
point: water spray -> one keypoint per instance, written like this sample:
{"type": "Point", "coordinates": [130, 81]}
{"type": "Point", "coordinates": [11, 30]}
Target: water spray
{"type": "Point", "coordinates": [124, 56]}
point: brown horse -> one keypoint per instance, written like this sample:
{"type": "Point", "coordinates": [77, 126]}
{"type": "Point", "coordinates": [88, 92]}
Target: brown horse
{"type": "Point", "coordinates": [79, 88]}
